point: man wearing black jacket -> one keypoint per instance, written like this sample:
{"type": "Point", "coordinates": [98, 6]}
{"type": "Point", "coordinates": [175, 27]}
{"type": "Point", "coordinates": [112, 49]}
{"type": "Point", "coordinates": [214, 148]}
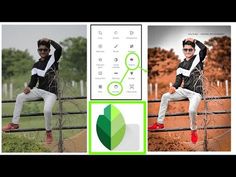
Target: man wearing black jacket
{"type": "Point", "coordinates": [188, 72]}
{"type": "Point", "coordinates": [43, 73]}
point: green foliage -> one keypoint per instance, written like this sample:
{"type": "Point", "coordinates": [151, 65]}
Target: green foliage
{"type": "Point", "coordinates": [73, 66]}
{"type": "Point", "coordinates": [73, 62]}
{"type": "Point", "coordinates": [15, 62]}
{"type": "Point", "coordinates": [13, 143]}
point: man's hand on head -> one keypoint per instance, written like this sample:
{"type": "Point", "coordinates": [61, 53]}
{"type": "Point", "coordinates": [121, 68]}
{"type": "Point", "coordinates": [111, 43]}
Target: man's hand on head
{"type": "Point", "coordinates": [172, 89]}
{"type": "Point", "coordinates": [190, 39]}
{"type": "Point", "coordinates": [45, 39]}
{"type": "Point", "coordinates": [26, 90]}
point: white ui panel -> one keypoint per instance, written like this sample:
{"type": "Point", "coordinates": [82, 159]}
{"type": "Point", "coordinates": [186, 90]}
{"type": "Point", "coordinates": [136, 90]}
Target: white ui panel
{"type": "Point", "coordinates": [116, 63]}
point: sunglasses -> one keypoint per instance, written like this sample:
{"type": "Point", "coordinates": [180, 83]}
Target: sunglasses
{"type": "Point", "coordinates": [185, 50]}
{"type": "Point", "coordinates": [40, 50]}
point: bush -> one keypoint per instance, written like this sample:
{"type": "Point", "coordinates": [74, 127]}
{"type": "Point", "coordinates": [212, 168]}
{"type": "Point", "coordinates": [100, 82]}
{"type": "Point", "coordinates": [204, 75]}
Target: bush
{"type": "Point", "coordinates": [13, 143]}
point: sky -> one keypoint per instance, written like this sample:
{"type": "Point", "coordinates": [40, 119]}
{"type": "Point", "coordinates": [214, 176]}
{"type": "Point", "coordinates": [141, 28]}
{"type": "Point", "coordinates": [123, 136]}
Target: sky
{"type": "Point", "coordinates": [25, 37]}
{"type": "Point", "coordinates": [168, 37]}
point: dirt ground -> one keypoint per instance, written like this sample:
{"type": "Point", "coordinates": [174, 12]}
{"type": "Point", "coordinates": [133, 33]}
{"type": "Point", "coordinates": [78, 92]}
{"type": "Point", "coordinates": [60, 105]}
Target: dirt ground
{"type": "Point", "coordinates": [77, 144]}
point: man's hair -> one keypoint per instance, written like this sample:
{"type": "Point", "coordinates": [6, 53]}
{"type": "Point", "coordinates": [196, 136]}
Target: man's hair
{"type": "Point", "coordinates": [47, 44]}
{"type": "Point", "coordinates": [189, 43]}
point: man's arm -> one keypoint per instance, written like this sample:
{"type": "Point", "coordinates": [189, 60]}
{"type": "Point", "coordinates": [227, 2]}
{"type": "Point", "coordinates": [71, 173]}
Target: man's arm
{"type": "Point", "coordinates": [177, 84]}
{"type": "Point", "coordinates": [58, 50]}
{"type": "Point", "coordinates": [203, 50]}
{"type": "Point", "coordinates": [178, 81]}
{"type": "Point", "coordinates": [179, 78]}
{"type": "Point", "coordinates": [32, 83]}
{"type": "Point", "coordinates": [33, 80]}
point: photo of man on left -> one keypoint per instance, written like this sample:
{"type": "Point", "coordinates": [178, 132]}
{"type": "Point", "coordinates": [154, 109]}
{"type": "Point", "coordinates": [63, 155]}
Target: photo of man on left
{"type": "Point", "coordinates": [40, 118]}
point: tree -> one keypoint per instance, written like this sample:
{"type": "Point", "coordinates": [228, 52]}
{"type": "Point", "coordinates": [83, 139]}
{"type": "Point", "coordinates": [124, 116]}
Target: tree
{"type": "Point", "coordinates": [73, 62]}
{"type": "Point", "coordinates": [15, 62]}
{"type": "Point", "coordinates": [218, 61]}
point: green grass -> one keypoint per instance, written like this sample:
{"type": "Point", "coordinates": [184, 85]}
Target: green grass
{"type": "Point", "coordinates": [15, 143]}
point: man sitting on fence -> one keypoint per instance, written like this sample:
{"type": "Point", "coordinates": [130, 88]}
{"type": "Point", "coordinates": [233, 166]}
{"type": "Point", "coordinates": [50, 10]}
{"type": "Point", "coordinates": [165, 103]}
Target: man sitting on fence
{"type": "Point", "coordinates": [43, 72]}
{"type": "Point", "coordinates": [189, 71]}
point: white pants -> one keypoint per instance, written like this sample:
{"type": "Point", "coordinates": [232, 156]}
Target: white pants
{"type": "Point", "coordinates": [180, 94]}
{"type": "Point", "coordinates": [35, 94]}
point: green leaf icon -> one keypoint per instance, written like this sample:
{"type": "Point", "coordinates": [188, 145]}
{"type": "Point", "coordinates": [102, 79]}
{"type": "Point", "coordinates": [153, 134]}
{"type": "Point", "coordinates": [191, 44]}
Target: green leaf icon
{"type": "Point", "coordinates": [111, 127]}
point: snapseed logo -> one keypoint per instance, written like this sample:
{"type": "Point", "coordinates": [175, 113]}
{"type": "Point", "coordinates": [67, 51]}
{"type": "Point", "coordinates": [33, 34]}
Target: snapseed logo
{"type": "Point", "coordinates": [111, 127]}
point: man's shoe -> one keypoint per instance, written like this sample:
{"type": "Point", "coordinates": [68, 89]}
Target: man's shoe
{"type": "Point", "coordinates": [49, 138]}
{"type": "Point", "coordinates": [194, 137]}
{"type": "Point", "coordinates": [156, 126]}
{"type": "Point", "coordinates": [10, 126]}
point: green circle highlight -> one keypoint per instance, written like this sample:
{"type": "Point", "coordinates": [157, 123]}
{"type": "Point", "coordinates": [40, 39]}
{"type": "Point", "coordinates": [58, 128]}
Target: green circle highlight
{"type": "Point", "coordinates": [132, 53]}
{"type": "Point", "coordinates": [114, 82]}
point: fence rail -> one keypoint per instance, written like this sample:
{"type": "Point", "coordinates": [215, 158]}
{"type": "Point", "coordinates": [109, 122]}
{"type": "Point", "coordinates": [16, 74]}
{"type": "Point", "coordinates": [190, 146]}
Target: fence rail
{"type": "Point", "coordinates": [207, 98]}
{"type": "Point", "coordinates": [186, 114]}
{"type": "Point", "coordinates": [64, 98]}
{"type": "Point", "coordinates": [186, 129]}
{"type": "Point", "coordinates": [43, 129]}
{"type": "Point", "coordinates": [42, 114]}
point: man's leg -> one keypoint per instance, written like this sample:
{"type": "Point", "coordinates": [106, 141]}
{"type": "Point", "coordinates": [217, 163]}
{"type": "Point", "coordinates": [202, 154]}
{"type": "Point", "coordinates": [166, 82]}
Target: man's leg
{"type": "Point", "coordinates": [178, 95]}
{"type": "Point", "coordinates": [194, 101]}
{"type": "Point", "coordinates": [20, 99]}
{"type": "Point", "coordinates": [49, 101]}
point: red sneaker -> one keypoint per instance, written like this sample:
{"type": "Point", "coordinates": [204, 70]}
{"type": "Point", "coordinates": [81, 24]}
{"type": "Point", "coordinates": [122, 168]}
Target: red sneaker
{"type": "Point", "coordinates": [156, 126]}
{"type": "Point", "coordinates": [49, 138]}
{"type": "Point", "coordinates": [10, 126]}
{"type": "Point", "coordinates": [194, 136]}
